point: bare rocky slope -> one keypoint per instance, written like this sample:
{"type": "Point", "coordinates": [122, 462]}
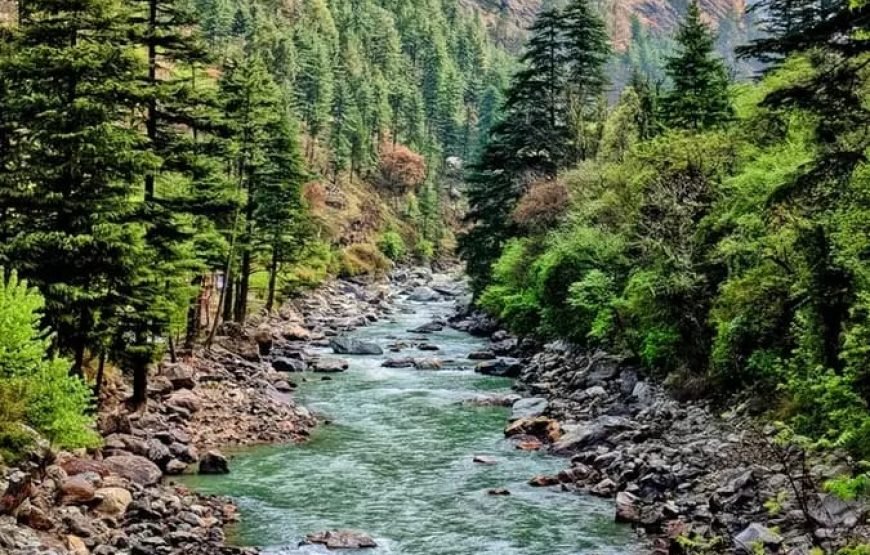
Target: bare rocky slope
{"type": "Point", "coordinates": [510, 17]}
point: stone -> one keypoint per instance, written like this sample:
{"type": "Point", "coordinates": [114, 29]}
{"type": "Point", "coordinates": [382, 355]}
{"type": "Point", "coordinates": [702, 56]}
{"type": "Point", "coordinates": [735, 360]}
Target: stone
{"type": "Point", "coordinates": [541, 427]}
{"type": "Point", "coordinates": [74, 465]}
{"type": "Point", "coordinates": [350, 346]}
{"type": "Point", "coordinates": [18, 488]}
{"type": "Point", "coordinates": [643, 393]}
{"type": "Point", "coordinates": [113, 501]}
{"type": "Point", "coordinates": [483, 459]}
{"type": "Point", "coordinates": [498, 491]}
{"type": "Point", "coordinates": [428, 347]}
{"type": "Point", "coordinates": [531, 407]}
{"type": "Point", "coordinates": [503, 367]}
{"type": "Point", "coordinates": [185, 399]}
{"type": "Point", "coordinates": [181, 375]}
{"type": "Point", "coordinates": [35, 518]}
{"type": "Point", "coordinates": [341, 539]}
{"type": "Point", "coordinates": [77, 490]}
{"type": "Point", "coordinates": [76, 546]}
{"type": "Point", "coordinates": [295, 332]}
{"type": "Point", "coordinates": [175, 467]}
{"type": "Point", "coordinates": [428, 364]}
{"type": "Point", "coordinates": [424, 295]}
{"type": "Point", "coordinates": [627, 509]}
{"type": "Point", "coordinates": [115, 422]}
{"type": "Point", "coordinates": [158, 453]}
{"type": "Point", "coordinates": [431, 327]}
{"type": "Point", "coordinates": [285, 364]}
{"type": "Point", "coordinates": [398, 363]}
{"type": "Point", "coordinates": [325, 365]}
{"type": "Point", "coordinates": [136, 469]}
{"type": "Point", "coordinates": [830, 511]}
{"type": "Point", "coordinates": [214, 462]}
{"type": "Point", "coordinates": [544, 480]}
{"type": "Point", "coordinates": [481, 355]}
{"type": "Point", "coordinates": [756, 534]}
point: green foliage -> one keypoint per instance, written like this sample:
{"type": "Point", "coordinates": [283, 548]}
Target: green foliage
{"type": "Point", "coordinates": [424, 250]}
{"type": "Point", "coordinates": [849, 488]}
{"type": "Point", "coordinates": [35, 388]}
{"type": "Point", "coordinates": [392, 245]}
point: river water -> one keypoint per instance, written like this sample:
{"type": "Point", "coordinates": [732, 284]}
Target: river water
{"type": "Point", "coordinates": [396, 463]}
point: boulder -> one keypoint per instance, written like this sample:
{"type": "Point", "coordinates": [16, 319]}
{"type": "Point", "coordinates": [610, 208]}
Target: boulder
{"type": "Point", "coordinates": [544, 480]}
{"type": "Point", "coordinates": [295, 332]}
{"type": "Point", "coordinates": [113, 501]}
{"type": "Point", "coordinates": [503, 368]}
{"type": "Point", "coordinates": [424, 295]}
{"type": "Point", "coordinates": [175, 467]}
{"type": "Point", "coordinates": [349, 346]}
{"type": "Point", "coordinates": [76, 546]}
{"type": "Point", "coordinates": [431, 327]}
{"type": "Point", "coordinates": [180, 375]}
{"type": "Point", "coordinates": [136, 469]}
{"type": "Point", "coordinates": [541, 427]}
{"type": "Point", "coordinates": [74, 465]}
{"type": "Point", "coordinates": [18, 487]}
{"type": "Point", "coordinates": [77, 490]}
{"type": "Point", "coordinates": [529, 408]}
{"type": "Point", "coordinates": [341, 539]}
{"type": "Point", "coordinates": [483, 459]}
{"type": "Point", "coordinates": [627, 509]}
{"type": "Point", "coordinates": [158, 453]}
{"type": "Point", "coordinates": [325, 365]}
{"type": "Point", "coordinates": [481, 355]}
{"type": "Point", "coordinates": [756, 535]}
{"type": "Point", "coordinates": [285, 364]}
{"type": "Point", "coordinates": [498, 491]}
{"type": "Point", "coordinates": [185, 399]}
{"type": "Point", "coordinates": [428, 364]}
{"type": "Point", "coordinates": [398, 363]}
{"type": "Point", "coordinates": [214, 462]}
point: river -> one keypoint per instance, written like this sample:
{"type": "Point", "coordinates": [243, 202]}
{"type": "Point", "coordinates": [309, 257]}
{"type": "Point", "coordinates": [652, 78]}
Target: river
{"type": "Point", "coordinates": [396, 462]}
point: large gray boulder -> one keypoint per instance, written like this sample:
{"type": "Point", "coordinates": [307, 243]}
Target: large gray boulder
{"type": "Point", "coordinates": [756, 535]}
{"type": "Point", "coordinates": [529, 408]}
{"type": "Point", "coordinates": [136, 469]}
{"type": "Point", "coordinates": [503, 367]}
{"type": "Point", "coordinates": [424, 295]}
{"type": "Point", "coordinates": [350, 346]}
{"type": "Point", "coordinates": [285, 364]}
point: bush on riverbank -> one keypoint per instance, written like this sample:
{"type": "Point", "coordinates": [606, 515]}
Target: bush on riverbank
{"type": "Point", "coordinates": [707, 257]}
{"type": "Point", "coordinates": [36, 390]}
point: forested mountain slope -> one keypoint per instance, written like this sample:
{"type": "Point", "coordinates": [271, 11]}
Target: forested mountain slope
{"type": "Point", "coordinates": [512, 17]}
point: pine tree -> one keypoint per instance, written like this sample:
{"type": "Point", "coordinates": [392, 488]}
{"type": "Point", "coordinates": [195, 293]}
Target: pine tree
{"type": "Point", "coordinates": [535, 105]}
{"type": "Point", "coordinates": [252, 104]}
{"type": "Point", "coordinates": [279, 215]}
{"type": "Point", "coordinates": [587, 50]}
{"type": "Point", "coordinates": [699, 98]}
{"type": "Point", "coordinates": [74, 77]}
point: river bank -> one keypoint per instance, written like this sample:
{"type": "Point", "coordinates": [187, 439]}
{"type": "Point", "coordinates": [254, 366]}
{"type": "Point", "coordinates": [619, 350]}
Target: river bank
{"type": "Point", "coordinates": [121, 498]}
{"type": "Point", "coordinates": [693, 480]}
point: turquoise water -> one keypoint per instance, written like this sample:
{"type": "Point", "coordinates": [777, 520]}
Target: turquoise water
{"type": "Point", "coordinates": [396, 463]}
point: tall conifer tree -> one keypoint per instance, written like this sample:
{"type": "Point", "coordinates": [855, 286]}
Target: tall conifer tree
{"type": "Point", "coordinates": [699, 98]}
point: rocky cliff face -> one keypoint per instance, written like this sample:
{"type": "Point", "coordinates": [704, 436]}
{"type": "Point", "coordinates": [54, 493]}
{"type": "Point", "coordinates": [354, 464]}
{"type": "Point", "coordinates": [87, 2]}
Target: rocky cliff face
{"type": "Point", "coordinates": [509, 17]}
{"type": "Point", "coordinates": [8, 10]}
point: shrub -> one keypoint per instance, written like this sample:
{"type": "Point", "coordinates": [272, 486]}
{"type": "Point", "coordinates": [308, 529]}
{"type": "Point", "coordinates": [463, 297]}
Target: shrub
{"type": "Point", "coordinates": [55, 404]}
{"type": "Point", "coordinates": [392, 245]}
{"type": "Point", "coordinates": [362, 258]}
{"type": "Point", "coordinates": [543, 206]}
{"type": "Point", "coordinates": [424, 250]}
{"type": "Point", "coordinates": [401, 169]}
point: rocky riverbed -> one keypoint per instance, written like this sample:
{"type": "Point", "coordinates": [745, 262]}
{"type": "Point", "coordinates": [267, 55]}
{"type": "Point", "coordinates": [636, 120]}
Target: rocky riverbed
{"type": "Point", "coordinates": [694, 481]}
{"type": "Point", "coordinates": [121, 497]}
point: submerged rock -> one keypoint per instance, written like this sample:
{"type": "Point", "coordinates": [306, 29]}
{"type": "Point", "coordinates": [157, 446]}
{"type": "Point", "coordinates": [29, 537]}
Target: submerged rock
{"type": "Point", "coordinates": [330, 365]}
{"type": "Point", "coordinates": [341, 539]}
{"type": "Point", "coordinates": [349, 346]}
{"type": "Point", "coordinates": [424, 295]}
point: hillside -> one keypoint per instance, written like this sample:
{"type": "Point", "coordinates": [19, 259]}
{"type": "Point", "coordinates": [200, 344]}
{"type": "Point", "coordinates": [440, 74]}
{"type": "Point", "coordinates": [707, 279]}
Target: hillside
{"type": "Point", "coordinates": [508, 18]}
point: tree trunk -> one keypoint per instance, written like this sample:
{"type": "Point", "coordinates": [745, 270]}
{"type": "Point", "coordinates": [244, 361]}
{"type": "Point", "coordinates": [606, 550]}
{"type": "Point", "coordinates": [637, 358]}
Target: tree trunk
{"type": "Point", "coordinates": [151, 123]}
{"type": "Point", "coordinates": [194, 315]}
{"type": "Point", "coordinates": [140, 384]}
{"type": "Point", "coordinates": [273, 278]}
{"type": "Point", "coordinates": [229, 283]}
{"type": "Point", "coordinates": [244, 285]}
{"type": "Point", "coordinates": [98, 385]}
